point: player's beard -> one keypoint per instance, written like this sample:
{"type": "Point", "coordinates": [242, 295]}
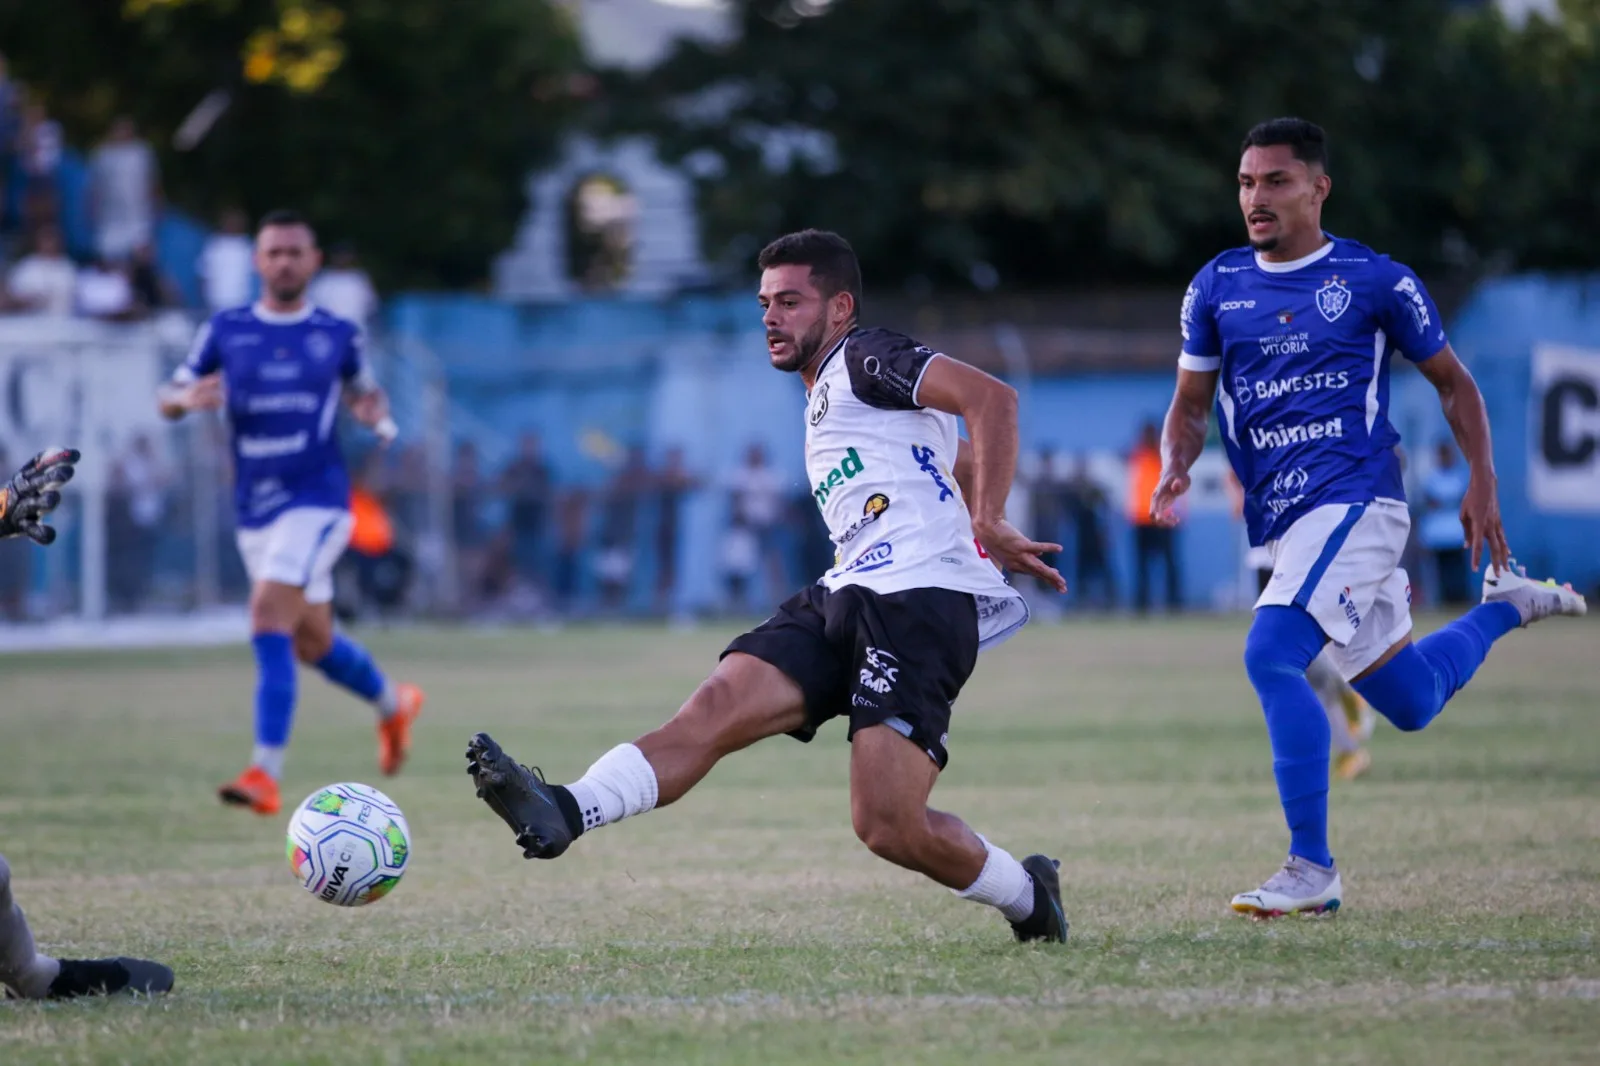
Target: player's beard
{"type": "Point", "coordinates": [1265, 244]}
{"type": "Point", "coordinates": [803, 349]}
{"type": "Point", "coordinates": [288, 293]}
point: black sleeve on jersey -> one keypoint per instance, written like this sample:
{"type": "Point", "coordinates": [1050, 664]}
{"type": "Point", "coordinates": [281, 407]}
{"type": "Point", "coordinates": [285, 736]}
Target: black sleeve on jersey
{"type": "Point", "coordinates": [885, 368]}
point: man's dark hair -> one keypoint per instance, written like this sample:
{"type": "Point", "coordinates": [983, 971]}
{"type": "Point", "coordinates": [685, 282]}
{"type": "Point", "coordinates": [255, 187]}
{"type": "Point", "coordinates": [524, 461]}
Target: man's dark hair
{"type": "Point", "coordinates": [832, 261]}
{"type": "Point", "coordinates": [284, 216]}
{"type": "Point", "coordinates": [1305, 139]}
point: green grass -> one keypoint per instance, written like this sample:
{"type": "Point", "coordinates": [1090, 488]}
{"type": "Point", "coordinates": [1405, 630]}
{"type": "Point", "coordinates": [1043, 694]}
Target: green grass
{"type": "Point", "coordinates": [746, 924]}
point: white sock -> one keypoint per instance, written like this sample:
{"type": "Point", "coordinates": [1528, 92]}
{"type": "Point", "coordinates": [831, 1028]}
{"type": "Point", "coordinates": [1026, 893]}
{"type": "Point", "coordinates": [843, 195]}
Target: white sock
{"type": "Point", "coordinates": [22, 968]}
{"type": "Point", "coordinates": [1002, 884]}
{"type": "Point", "coordinates": [619, 785]}
{"type": "Point", "coordinates": [387, 702]}
{"type": "Point", "coordinates": [269, 759]}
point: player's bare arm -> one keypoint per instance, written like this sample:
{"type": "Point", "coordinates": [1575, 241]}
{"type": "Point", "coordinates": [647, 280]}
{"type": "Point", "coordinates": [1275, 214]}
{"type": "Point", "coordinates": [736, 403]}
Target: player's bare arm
{"type": "Point", "coordinates": [178, 398]}
{"type": "Point", "coordinates": [1183, 437]}
{"type": "Point", "coordinates": [989, 407]}
{"type": "Point", "coordinates": [1462, 403]}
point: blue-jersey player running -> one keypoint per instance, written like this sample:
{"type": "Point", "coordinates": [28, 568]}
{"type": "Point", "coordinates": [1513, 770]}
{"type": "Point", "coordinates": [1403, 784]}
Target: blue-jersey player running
{"type": "Point", "coordinates": [281, 368]}
{"type": "Point", "coordinates": [1291, 338]}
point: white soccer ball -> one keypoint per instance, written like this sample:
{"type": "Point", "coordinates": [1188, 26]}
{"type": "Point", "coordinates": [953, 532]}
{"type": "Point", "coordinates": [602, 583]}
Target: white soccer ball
{"type": "Point", "coordinates": [348, 844]}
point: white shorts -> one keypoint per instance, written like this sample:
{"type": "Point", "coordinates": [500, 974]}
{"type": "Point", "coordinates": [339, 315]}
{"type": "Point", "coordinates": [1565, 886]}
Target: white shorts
{"type": "Point", "coordinates": [1341, 563]}
{"type": "Point", "coordinates": [297, 548]}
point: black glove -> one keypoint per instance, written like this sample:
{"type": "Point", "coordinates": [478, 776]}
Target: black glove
{"type": "Point", "coordinates": [31, 494]}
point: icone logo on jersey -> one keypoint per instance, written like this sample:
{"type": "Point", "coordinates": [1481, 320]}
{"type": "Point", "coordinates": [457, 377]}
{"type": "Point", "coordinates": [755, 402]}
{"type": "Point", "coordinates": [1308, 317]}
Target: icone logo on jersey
{"type": "Point", "coordinates": [1418, 306]}
{"type": "Point", "coordinates": [1286, 344]}
{"type": "Point", "coordinates": [1281, 436]}
{"type": "Point", "coordinates": [925, 457]}
{"type": "Point", "coordinates": [1236, 305]}
{"type": "Point", "coordinates": [1245, 391]}
{"type": "Point", "coordinates": [876, 504]}
{"type": "Point", "coordinates": [848, 467]}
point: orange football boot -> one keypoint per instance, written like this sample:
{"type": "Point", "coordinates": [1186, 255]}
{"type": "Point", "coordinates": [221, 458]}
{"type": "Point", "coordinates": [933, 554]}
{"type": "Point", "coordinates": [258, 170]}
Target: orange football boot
{"type": "Point", "coordinates": [255, 789]}
{"type": "Point", "coordinates": [394, 732]}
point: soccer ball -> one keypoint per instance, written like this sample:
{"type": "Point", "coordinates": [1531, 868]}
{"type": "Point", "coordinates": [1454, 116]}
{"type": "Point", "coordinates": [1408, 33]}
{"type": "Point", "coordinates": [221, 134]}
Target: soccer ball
{"type": "Point", "coordinates": [348, 844]}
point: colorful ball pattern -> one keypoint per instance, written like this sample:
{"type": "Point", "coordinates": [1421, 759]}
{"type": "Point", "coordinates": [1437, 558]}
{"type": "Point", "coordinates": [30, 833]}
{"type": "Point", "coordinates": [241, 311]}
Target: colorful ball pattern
{"type": "Point", "coordinates": [348, 844]}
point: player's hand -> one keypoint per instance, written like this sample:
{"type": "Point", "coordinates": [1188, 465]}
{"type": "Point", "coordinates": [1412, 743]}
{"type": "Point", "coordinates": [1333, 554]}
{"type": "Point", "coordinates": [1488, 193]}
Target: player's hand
{"type": "Point", "coordinates": [1008, 547]}
{"type": "Point", "coordinates": [202, 394]}
{"type": "Point", "coordinates": [371, 409]}
{"type": "Point", "coordinates": [1480, 520]}
{"type": "Point", "coordinates": [33, 493]}
{"type": "Point", "coordinates": [1168, 489]}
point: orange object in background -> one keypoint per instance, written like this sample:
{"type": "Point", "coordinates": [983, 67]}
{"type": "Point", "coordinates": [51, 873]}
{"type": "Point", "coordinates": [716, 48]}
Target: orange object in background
{"type": "Point", "coordinates": [1144, 474]}
{"type": "Point", "coordinates": [371, 532]}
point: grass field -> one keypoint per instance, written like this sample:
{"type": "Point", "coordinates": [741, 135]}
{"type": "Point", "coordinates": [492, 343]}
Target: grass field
{"type": "Point", "coordinates": [747, 925]}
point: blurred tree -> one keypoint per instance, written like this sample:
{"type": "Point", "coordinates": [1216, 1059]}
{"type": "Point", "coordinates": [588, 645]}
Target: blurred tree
{"type": "Point", "coordinates": [404, 126]}
{"type": "Point", "coordinates": [1040, 141]}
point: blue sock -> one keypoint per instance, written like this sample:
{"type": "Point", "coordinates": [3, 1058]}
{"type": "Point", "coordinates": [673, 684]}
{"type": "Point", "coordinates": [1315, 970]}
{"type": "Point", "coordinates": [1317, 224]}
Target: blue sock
{"type": "Point", "coordinates": [1412, 688]}
{"type": "Point", "coordinates": [274, 688]}
{"type": "Point", "coordinates": [350, 665]}
{"type": "Point", "coordinates": [1282, 643]}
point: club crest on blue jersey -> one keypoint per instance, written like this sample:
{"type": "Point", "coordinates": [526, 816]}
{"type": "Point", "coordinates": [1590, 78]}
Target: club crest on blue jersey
{"type": "Point", "coordinates": [1333, 299]}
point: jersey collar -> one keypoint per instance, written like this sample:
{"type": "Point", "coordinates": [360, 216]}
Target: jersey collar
{"type": "Point", "coordinates": [282, 318]}
{"type": "Point", "coordinates": [1295, 264]}
{"type": "Point", "coordinates": [833, 352]}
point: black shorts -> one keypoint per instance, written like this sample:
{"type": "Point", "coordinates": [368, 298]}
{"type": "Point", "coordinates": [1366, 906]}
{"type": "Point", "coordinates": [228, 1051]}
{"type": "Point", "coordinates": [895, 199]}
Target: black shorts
{"type": "Point", "coordinates": [897, 658]}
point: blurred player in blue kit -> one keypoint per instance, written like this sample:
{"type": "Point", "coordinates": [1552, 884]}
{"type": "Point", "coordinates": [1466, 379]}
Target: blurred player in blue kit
{"type": "Point", "coordinates": [25, 501]}
{"type": "Point", "coordinates": [1291, 339]}
{"type": "Point", "coordinates": [280, 368]}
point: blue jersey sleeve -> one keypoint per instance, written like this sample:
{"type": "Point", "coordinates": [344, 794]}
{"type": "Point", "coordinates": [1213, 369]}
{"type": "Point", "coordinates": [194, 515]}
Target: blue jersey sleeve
{"type": "Point", "coordinates": [204, 357]}
{"type": "Point", "coordinates": [1202, 348]}
{"type": "Point", "coordinates": [1409, 315]}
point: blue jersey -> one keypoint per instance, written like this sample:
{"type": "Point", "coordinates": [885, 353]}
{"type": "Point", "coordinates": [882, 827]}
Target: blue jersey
{"type": "Point", "coordinates": [284, 375]}
{"type": "Point", "coordinates": [1303, 351]}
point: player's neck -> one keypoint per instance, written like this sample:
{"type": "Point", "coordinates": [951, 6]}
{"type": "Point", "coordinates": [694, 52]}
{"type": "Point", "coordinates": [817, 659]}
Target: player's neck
{"type": "Point", "coordinates": [1291, 250]}
{"type": "Point", "coordinates": [274, 306]}
{"type": "Point", "coordinates": [808, 373]}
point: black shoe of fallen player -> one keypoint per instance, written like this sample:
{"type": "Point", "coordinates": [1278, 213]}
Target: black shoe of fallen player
{"type": "Point", "coordinates": [520, 797]}
{"type": "Point", "coordinates": [1047, 922]}
{"type": "Point", "coordinates": [106, 977]}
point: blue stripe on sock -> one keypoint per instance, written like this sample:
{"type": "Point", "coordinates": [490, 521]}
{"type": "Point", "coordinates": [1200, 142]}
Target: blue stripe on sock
{"type": "Point", "coordinates": [1336, 539]}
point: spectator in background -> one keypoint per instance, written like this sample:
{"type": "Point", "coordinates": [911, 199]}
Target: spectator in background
{"type": "Point", "coordinates": [1085, 501]}
{"type": "Point", "coordinates": [468, 527]}
{"type": "Point", "coordinates": [345, 289]}
{"type": "Point", "coordinates": [44, 282]}
{"type": "Point", "coordinates": [105, 292]}
{"type": "Point", "coordinates": [741, 558]}
{"type": "Point", "coordinates": [619, 526]}
{"type": "Point", "coordinates": [525, 483]}
{"type": "Point", "coordinates": [1044, 505]}
{"type": "Point", "coordinates": [39, 145]}
{"type": "Point", "coordinates": [757, 503]}
{"type": "Point", "coordinates": [1440, 529]}
{"type": "Point", "coordinates": [572, 523]}
{"type": "Point", "coordinates": [10, 109]}
{"type": "Point", "coordinates": [137, 503]}
{"type": "Point", "coordinates": [152, 290]}
{"type": "Point", "coordinates": [673, 483]}
{"type": "Point", "coordinates": [124, 189]}
{"type": "Point", "coordinates": [1153, 543]}
{"type": "Point", "coordinates": [227, 263]}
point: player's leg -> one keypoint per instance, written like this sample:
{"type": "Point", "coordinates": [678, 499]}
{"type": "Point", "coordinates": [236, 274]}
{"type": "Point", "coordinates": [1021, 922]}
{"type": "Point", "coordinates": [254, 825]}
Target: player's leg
{"type": "Point", "coordinates": [743, 701]}
{"type": "Point", "coordinates": [1343, 708]}
{"type": "Point", "coordinates": [350, 666]}
{"type": "Point", "coordinates": [1410, 683]}
{"type": "Point", "coordinates": [890, 781]}
{"type": "Point", "coordinates": [29, 975]}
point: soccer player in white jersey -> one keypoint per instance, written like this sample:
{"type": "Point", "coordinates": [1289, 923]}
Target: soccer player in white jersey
{"type": "Point", "coordinates": [886, 638]}
{"type": "Point", "coordinates": [31, 494]}
{"type": "Point", "coordinates": [281, 369]}
{"type": "Point", "coordinates": [1291, 338]}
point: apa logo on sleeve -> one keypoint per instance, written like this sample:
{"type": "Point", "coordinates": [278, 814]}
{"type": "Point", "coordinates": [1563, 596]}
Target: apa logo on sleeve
{"type": "Point", "coordinates": [1418, 306]}
{"type": "Point", "coordinates": [925, 457]}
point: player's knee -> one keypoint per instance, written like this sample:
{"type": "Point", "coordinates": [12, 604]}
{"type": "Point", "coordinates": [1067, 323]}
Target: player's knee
{"type": "Point", "coordinates": [887, 832]}
{"type": "Point", "coordinates": [312, 646]}
{"type": "Point", "coordinates": [271, 611]}
{"type": "Point", "coordinates": [1282, 643]}
{"type": "Point", "coordinates": [712, 710]}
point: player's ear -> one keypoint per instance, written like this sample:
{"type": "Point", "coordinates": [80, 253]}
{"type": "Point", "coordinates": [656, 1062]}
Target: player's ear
{"type": "Point", "coordinates": [842, 306]}
{"type": "Point", "coordinates": [1323, 184]}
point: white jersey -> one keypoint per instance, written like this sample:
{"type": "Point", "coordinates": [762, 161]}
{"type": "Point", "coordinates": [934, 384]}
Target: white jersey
{"type": "Point", "coordinates": [880, 468]}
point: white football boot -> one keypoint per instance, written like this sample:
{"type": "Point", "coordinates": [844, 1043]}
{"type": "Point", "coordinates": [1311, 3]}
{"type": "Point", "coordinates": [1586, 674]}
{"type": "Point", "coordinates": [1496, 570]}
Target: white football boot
{"type": "Point", "coordinates": [1532, 599]}
{"type": "Point", "coordinates": [1299, 887]}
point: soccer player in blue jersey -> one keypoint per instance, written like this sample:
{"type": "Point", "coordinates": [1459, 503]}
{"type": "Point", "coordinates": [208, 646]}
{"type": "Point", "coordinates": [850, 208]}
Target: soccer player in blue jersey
{"type": "Point", "coordinates": [280, 368]}
{"type": "Point", "coordinates": [1291, 338]}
